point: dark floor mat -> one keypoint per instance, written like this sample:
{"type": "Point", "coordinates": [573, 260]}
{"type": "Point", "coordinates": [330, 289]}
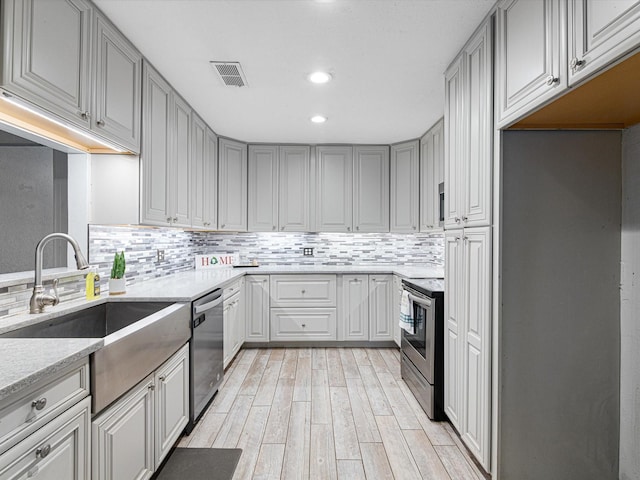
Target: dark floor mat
{"type": "Point", "coordinates": [200, 464]}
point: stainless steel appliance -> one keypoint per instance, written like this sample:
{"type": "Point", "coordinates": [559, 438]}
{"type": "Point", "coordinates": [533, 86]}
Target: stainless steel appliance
{"type": "Point", "coordinates": [422, 359]}
{"type": "Point", "coordinates": [206, 357]}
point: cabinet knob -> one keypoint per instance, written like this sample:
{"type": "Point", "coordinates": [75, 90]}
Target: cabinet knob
{"type": "Point", "coordinates": [162, 378]}
{"type": "Point", "coordinates": [413, 227]}
{"type": "Point", "coordinates": [39, 404]}
{"type": "Point", "coordinates": [42, 452]}
{"type": "Point", "coordinates": [575, 64]}
{"type": "Point", "coordinates": [357, 228]}
{"type": "Point", "coordinates": [457, 219]}
{"type": "Point", "coordinates": [550, 80]}
{"type": "Point", "coordinates": [100, 123]}
{"type": "Point", "coordinates": [222, 226]}
{"type": "Point", "coordinates": [281, 228]}
{"type": "Point", "coordinates": [84, 115]}
{"type": "Point", "coordinates": [169, 219]}
{"type": "Point", "coordinates": [457, 239]}
{"type": "Point", "coordinates": [151, 387]}
{"type": "Point", "coordinates": [175, 219]}
{"type": "Point", "coordinates": [273, 228]}
{"type": "Point", "coordinates": [304, 325]}
{"type": "Point", "coordinates": [348, 229]}
{"type": "Point", "coordinates": [304, 291]}
{"type": "Point", "coordinates": [464, 219]}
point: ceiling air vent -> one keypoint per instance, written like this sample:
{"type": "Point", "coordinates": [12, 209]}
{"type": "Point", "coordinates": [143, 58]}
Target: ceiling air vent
{"type": "Point", "coordinates": [230, 73]}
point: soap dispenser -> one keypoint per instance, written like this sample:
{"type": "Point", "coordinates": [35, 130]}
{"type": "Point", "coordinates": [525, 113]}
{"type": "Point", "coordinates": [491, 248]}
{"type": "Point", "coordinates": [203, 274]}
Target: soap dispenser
{"type": "Point", "coordinates": [92, 284]}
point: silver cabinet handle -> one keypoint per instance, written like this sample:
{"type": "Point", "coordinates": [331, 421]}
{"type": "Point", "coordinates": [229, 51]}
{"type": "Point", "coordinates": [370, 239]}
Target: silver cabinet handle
{"type": "Point", "coordinates": [464, 219]}
{"type": "Point", "coordinates": [550, 80]}
{"type": "Point", "coordinates": [576, 64]}
{"type": "Point", "coordinates": [39, 404]}
{"type": "Point", "coordinates": [42, 452]}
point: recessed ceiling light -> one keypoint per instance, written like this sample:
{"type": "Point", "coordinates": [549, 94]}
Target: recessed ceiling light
{"type": "Point", "coordinates": [318, 119]}
{"type": "Point", "coordinates": [319, 77]}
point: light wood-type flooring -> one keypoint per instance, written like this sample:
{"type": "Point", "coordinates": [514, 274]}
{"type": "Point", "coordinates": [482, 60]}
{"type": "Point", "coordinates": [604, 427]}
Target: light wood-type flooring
{"type": "Point", "coordinates": [327, 413]}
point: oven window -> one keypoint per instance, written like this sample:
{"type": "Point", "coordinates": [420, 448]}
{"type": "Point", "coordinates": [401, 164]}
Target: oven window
{"type": "Point", "coordinates": [418, 341]}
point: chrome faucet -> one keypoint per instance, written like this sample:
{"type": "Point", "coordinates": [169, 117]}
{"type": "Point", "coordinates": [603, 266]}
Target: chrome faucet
{"type": "Point", "coordinates": [39, 299]}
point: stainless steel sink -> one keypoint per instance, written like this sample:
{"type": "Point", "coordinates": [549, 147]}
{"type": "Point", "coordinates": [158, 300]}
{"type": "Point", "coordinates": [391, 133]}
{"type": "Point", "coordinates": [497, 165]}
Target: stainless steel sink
{"type": "Point", "coordinates": [138, 338]}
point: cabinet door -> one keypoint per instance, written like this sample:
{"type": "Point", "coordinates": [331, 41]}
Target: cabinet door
{"type": "Point", "coordinates": [211, 174]}
{"type": "Point", "coordinates": [454, 325]}
{"type": "Point", "coordinates": [454, 144]}
{"type": "Point", "coordinates": [431, 175]}
{"type": "Point", "coordinates": [227, 343]}
{"type": "Point", "coordinates": [263, 188]}
{"type": "Point", "coordinates": [397, 294]}
{"type": "Point", "coordinates": [380, 307]}
{"type": "Point", "coordinates": [371, 189]}
{"type": "Point", "coordinates": [118, 70]}
{"type": "Point", "coordinates": [478, 129]}
{"type": "Point", "coordinates": [57, 451]}
{"type": "Point", "coordinates": [199, 178]}
{"type": "Point", "coordinates": [154, 176]}
{"type": "Point", "coordinates": [294, 197]}
{"type": "Point", "coordinates": [172, 402]}
{"type": "Point", "coordinates": [49, 60]}
{"type": "Point", "coordinates": [123, 437]}
{"type": "Point", "coordinates": [531, 56]}
{"type": "Point", "coordinates": [354, 308]}
{"type": "Point", "coordinates": [475, 342]}
{"type": "Point", "coordinates": [180, 179]}
{"type": "Point", "coordinates": [599, 33]}
{"type": "Point", "coordinates": [257, 308]}
{"type": "Point", "coordinates": [334, 186]}
{"type": "Point", "coordinates": [404, 187]}
{"type": "Point", "coordinates": [232, 186]}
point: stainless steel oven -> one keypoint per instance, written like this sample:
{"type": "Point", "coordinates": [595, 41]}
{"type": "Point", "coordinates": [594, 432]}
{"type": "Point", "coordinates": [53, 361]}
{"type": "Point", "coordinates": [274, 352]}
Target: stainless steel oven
{"type": "Point", "coordinates": [422, 360]}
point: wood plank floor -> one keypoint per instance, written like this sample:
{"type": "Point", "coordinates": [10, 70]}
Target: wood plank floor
{"type": "Point", "coordinates": [327, 413]}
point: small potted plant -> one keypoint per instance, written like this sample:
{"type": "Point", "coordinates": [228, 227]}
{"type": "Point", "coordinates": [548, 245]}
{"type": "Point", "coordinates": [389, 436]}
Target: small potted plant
{"type": "Point", "coordinates": [117, 281]}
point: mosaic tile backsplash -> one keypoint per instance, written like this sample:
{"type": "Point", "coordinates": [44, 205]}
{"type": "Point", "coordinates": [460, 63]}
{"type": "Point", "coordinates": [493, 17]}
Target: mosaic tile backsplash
{"type": "Point", "coordinates": [141, 244]}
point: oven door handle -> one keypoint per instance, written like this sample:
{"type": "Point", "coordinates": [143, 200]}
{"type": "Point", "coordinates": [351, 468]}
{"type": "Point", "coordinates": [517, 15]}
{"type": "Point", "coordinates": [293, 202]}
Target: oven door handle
{"type": "Point", "coordinates": [207, 306]}
{"type": "Point", "coordinates": [425, 302]}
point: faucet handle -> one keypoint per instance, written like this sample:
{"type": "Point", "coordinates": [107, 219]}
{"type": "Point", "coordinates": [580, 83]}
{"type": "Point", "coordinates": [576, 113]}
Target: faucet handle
{"type": "Point", "coordinates": [56, 298]}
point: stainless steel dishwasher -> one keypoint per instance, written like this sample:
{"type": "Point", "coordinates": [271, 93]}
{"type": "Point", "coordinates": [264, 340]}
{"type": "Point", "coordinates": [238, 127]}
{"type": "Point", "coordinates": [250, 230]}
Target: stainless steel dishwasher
{"type": "Point", "coordinates": [206, 353]}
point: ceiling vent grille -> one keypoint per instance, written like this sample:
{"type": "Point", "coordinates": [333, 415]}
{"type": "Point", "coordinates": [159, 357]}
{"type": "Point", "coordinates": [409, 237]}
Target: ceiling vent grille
{"type": "Point", "coordinates": [230, 73]}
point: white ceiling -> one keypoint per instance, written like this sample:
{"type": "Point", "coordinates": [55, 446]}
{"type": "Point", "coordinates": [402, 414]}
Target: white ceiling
{"type": "Point", "coordinates": [387, 58]}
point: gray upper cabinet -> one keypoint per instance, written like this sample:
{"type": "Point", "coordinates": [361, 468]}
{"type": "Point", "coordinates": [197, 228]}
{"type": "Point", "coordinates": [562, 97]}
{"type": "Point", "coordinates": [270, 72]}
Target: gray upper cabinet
{"type": "Point", "coordinates": [232, 185]}
{"type": "Point", "coordinates": [116, 111]}
{"type": "Point", "coordinates": [454, 142]}
{"type": "Point", "coordinates": [294, 198]}
{"type": "Point", "coordinates": [199, 179]}
{"type": "Point", "coordinates": [334, 170]}
{"type": "Point", "coordinates": [180, 173]}
{"type": "Point", "coordinates": [599, 33]}
{"type": "Point", "coordinates": [404, 187]}
{"type": "Point", "coordinates": [47, 48]}
{"type": "Point", "coordinates": [371, 189]}
{"type": "Point", "coordinates": [155, 158]}
{"type": "Point", "coordinates": [431, 175]}
{"type": "Point", "coordinates": [531, 55]}
{"type": "Point", "coordinates": [211, 183]}
{"type": "Point", "coordinates": [263, 188]}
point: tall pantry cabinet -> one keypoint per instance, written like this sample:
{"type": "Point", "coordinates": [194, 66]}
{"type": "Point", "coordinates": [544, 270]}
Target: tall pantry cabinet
{"type": "Point", "coordinates": [468, 161]}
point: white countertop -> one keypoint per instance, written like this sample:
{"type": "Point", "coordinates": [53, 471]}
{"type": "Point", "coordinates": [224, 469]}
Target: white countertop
{"type": "Point", "coordinates": [25, 361]}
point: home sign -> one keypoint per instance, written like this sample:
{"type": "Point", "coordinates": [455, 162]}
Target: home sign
{"type": "Point", "coordinates": [216, 260]}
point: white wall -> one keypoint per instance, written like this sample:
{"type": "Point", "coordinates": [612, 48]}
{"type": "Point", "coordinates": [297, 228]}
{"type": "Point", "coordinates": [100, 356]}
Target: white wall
{"type": "Point", "coordinates": [630, 308]}
{"type": "Point", "coordinates": [115, 187]}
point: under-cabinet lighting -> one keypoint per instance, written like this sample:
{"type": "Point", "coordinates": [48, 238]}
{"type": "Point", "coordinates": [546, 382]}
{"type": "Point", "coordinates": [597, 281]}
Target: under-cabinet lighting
{"type": "Point", "coordinates": [60, 124]}
{"type": "Point", "coordinates": [318, 119]}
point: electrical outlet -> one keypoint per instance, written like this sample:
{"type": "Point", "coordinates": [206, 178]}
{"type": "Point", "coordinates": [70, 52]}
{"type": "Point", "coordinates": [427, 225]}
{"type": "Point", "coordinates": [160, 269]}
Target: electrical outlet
{"type": "Point", "coordinates": [160, 256]}
{"type": "Point", "coordinates": [307, 252]}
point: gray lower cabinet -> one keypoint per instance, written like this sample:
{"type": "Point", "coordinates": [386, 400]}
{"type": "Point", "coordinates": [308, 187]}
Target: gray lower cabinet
{"type": "Point", "coordinates": [47, 55]}
{"type": "Point", "coordinates": [59, 450]}
{"type": "Point", "coordinates": [303, 324]}
{"type": "Point", "coordinates": [131, 438]}
{"type": "Point", "coordinates": [232, 185]}
{"type": "Point", "coordinates": [395, 316]}
{"type": "Point", "coordinates": [256, 304]}
{"type": "Point", "coordinates": [381, 308]}
{"type": "Point", "coordinates": [354, 307]}
{"type": "Point", "coordinates": [116, 109]}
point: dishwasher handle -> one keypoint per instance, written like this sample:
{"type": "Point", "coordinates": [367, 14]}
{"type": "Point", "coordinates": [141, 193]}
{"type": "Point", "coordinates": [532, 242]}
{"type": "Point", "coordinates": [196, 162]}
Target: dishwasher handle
{"type": "Point", "coordinates": [198, 309]}
{"type": "Point", "coordinates": [424, 301]}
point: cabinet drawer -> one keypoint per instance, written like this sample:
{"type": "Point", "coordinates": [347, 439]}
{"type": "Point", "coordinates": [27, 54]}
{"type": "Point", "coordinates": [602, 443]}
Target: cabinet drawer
{"type": "Point", "coordinates": [21, 416]}
{"type": "Point", "coordinates": [303, 324]}
{"type": "Point", "coordinates": [303, 290]}
{"type": "Point", "coordinates": [59, 450]}
{"type": "Point", "coordinates": [232, 289]}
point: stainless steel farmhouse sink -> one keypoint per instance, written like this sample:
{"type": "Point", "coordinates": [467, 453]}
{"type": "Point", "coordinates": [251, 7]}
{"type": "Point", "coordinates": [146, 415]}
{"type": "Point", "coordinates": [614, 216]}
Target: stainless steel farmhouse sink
{"type": "Point", "coordinates": [138, 338]}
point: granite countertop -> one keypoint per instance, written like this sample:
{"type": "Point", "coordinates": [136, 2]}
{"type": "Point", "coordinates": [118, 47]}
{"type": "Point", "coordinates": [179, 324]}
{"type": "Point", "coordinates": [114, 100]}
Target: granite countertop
{"type": "Point", "coordinates": [25, 361]}
{"type": "Point", "coordinates": [28, 360]}
{"type": "Point", "coordinates": [432, 287]}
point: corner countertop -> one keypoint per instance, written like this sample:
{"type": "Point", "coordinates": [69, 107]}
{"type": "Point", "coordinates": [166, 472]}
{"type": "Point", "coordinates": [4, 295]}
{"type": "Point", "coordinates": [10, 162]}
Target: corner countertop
{"type": "Point", "coordinates": [26, 361]}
